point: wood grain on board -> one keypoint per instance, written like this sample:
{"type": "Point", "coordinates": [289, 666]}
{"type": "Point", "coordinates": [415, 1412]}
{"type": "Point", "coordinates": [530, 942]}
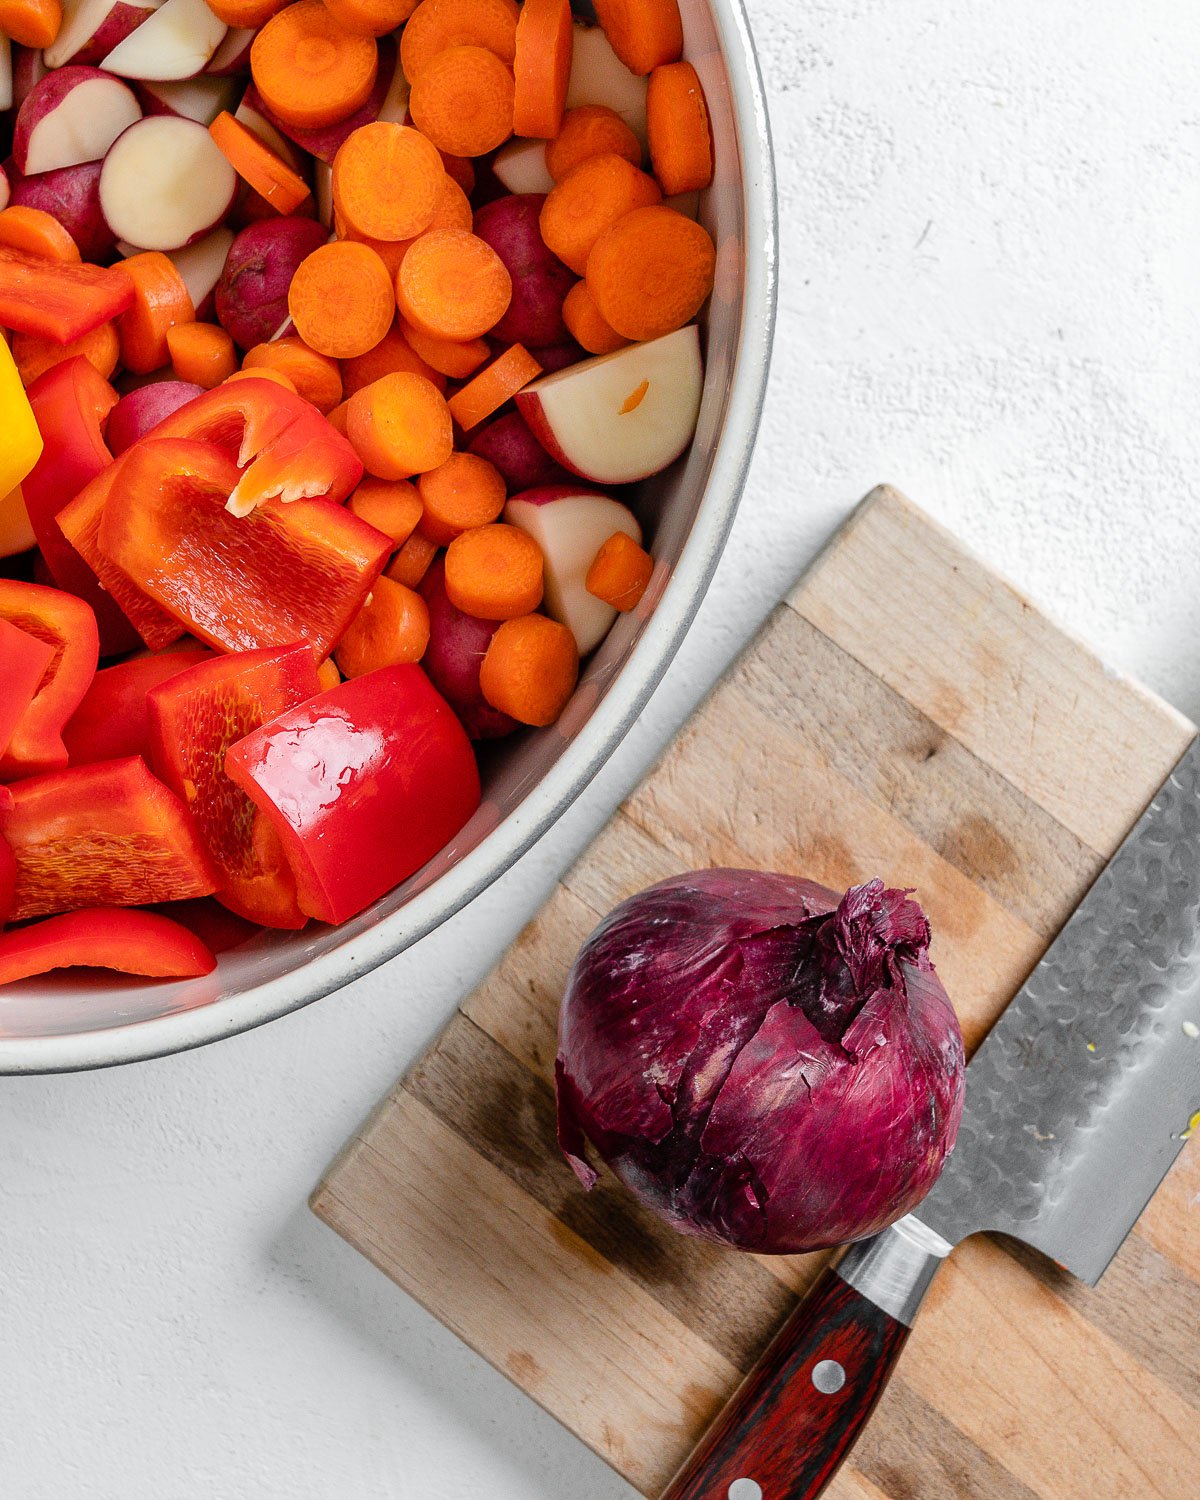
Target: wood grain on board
{"type": "Point", "coordinates": [908, 714]}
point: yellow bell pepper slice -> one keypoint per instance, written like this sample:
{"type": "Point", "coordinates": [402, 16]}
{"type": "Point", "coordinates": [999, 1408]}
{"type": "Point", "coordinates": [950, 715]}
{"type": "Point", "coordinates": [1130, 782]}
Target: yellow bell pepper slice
{"type": "Point", "coordinates": [20, 440]}
{"type": "Point", "coordinates": [16, 534]}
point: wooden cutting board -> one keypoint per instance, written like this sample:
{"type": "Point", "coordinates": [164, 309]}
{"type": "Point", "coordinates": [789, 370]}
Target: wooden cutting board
{"type": "Point", "coordinates": [906, 714]}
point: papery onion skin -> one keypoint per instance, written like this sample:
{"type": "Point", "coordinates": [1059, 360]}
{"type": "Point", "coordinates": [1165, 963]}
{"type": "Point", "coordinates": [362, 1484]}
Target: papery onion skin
{"type": "Point", "coordinates": [764, 1063]}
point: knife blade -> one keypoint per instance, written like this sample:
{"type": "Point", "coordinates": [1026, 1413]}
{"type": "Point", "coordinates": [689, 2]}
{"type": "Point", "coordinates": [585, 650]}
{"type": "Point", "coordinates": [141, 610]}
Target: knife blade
{"type": "Point", "coordinates": [1077, 1104]}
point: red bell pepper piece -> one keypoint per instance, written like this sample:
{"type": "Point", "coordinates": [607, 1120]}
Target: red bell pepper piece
{"type": "Point", "coordinates": [79, 523]}
{"type": "Point", "coordinates": [216, 926]}
{"type": "Point", "coordinates": [364, 784]}
{"type": "Point", "coordinates": [109, 834]}
{"type": "Point", "coordinates": [113, 719]}
{"type": "Point", "coordinates": [285, 447]}
{"type": "Point", "coordinates": [70, 402]}
{"type": "Point", "coordinates": [281, 574]}
{"type": "Point", "coordinates": [23, 663]}
{"type": "Point", "coordinates": [68, 627]}
{"type": "Point", "coordinates": [59, 301]}
{"type": "Point", "coordinates": [8, 869]}
{"type": "Point", "coordinates": [133, 942]}
{"type": "Point", "coordinates": [194, 718]}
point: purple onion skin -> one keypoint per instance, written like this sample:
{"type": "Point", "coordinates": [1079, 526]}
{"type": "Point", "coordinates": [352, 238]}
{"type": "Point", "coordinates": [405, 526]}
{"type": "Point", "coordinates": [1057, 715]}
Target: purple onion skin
{"type": "Point", "coordinates": [763, 1063]}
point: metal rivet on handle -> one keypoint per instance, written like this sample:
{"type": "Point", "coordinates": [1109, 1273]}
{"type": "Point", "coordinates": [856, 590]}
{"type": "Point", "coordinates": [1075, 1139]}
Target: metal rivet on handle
{"type": "Point", "coordinates": [744, 1489]}
{"type": "Point", "coordinates": [828, 1377]}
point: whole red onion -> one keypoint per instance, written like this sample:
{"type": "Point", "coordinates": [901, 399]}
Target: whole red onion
{"type": "Point", "coordinates": [763, 1063]}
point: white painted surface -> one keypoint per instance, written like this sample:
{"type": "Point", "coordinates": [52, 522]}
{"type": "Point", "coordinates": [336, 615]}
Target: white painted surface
{"type": "Point", "coordinates": [990, 221]}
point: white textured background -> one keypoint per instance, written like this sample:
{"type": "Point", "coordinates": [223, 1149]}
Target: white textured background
{"type": "Point", "coordinates": [991, 227]}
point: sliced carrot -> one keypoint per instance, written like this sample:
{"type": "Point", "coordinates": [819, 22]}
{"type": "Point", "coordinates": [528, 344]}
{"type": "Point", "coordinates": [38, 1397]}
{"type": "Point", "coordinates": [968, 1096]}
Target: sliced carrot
{"type": "Point", "coordinates": [33, 23]}
{"type": "Point", "coordinates": [254, 162]}
{"type": "Point", "coordinates": [309, 69]}
{"type": "Point", "coordinates": [316, 377]}
{"type": "Point", "coordinates": [678, 130]}
{"type": "Point", "coordinates": [202, 353]}
{"type": "Point", "coordinates": [463, 101]}
{"type": "Point", "coordinates": [245, 15]}
{"type": "Point", "coordinates": [387, 182]}
{"type": "Point", "coordinates": [586, 324]}
{"type": "Point", "coordinates": [438, 25]}
{"type": "Point", "coordinates": [453, 285]}
{"type": "Point", "coordinates": [620, 572]}
{"type": "Point", "coordinates": [371, 17]}
{"type": "Point", "coordinates": [390, 355]}
{"type": "Point", "coordinates": [328, 676]}
{"type": "Point", "coordinates": [651, 271]}
{"type": "Point", "coordinates": [491, 388]}
{"type": "Point", "coordinates": [341, 299]}
{"type": "Point", "coordinates": [413, 560]}
{"type": "Point", "coordinates": [530, 669]}
{"type": "Point", "coordinates": [446, 356]}
{"type": "Point", "coordinates": [453, 212]}
{"type": "Point", "coordinates": [391, 628]}
{"type": "Point", "coordinates": [392, 506]}
{"type": "Point", "coordinates": [542, 67]}
{"type": "Point", "coordinates": [591, 197]}
{"type": "Point", "coordinates": [400, 425]}
{"type": "Point", "coordinates": [643, 33]}
{"type": "Point", "coordinates": [33, 356]}
{"type": "Point", "coordinates": [463, 492]}
{"type": "Point", "coordinates": [160, 302]}
{"type": "Point", "coordinates": [277, 377]}
{"type": "Point", "coordinates": [339, 417]}
{"type": "Point", "coordinates": [37, 233]}
{"type": "Point", "coordinates": [494, 572]}
{"type": "Point", "coordinates": [590, 130]}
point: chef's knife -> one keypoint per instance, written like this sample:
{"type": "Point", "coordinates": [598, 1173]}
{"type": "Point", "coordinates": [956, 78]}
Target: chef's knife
{"type": "Point", "coordinates": [1077, 1103]}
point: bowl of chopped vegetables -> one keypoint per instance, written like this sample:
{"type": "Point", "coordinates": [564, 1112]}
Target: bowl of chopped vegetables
{"type": "Point", "coordinates": [378, 385]}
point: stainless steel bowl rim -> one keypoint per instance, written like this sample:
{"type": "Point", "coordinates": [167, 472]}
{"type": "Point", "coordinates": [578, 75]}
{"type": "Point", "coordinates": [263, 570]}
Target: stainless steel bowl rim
{"type": "Point", "coordinates": [579, 762]}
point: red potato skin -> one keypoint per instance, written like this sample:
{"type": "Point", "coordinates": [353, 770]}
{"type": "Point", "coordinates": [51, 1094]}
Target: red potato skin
{"type": "Point", "coordinates": [454, 656]}
{"type": "Point", "coordinates": [530, 407]}
{"type": "Point", "coordinates": [72, 196]}
{"type": "Point", "coordinates": [28, 68]}
{"type": "Point", "coordinates": [45, 97]}
{"type": "Point", "coordinates": [238, 61]}
{"type": "Point", "coordinates": [512, 448]}
{"type": "Point", "coordinates": [251, 296]}
{"type": "Point", "coordinates": [5, 189]}
{"type": "Point", "coordinates": [140, 411]}
{"type": "Point", "coordinates": [558, 356]}
{"type": "Point", "coordinates": [121, 21]}
{"type": "Point", "coordinates": [540, 281]}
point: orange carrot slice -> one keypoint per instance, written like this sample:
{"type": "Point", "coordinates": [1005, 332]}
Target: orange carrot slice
{"type": "Point", "coordinates": [399, 426]}
{"type": "Point", "coordinates": [491, 388]}
{"type": "Point", "coordinates": [592, 196]}
{"type": "Point", "coordinates": [463, 101]}
{"type": "Point", "coordinates": [37, 233]}
{"type": "Point", "coordinates": [392, 506]}
{"type": "Point", "coordinates": [309, 69]}
{"type": "Point", "coordinates": [530, 669]}
{"type": "Point", "coordinates": [462, 492]}
{"type": "Point", "coordinates": [390, 355]}
{"type": "Point", "coordinates": [494, 572]}
{"type": "Point", "coordinates": [341, 299]}
{"type": "Point", "coordinates": [620, 572]}
{"type": "Point", "coordinates": [160, 302]}
{"type": "Point", "coordinates": [413, 560]}
{"type": "Point", "coordinates": [254, 162]}
{"type": "Point", "coordinates": [371, 17]}
{"type": "Point", "coordinates": [391, 629]}
{"type": "Point", "coordinates": [316, 377]}
{"type": "Point", "coordinates": [643, 33]}
{"type": "Point", "coordinates": [542, 68]}
{"type": "Point", "coordinates": [33, 23]}
{"type": "Point", "coordinates": [678, 130]}
{"type": "Point", "coordinates": [201, 353]}
{"type": "Point", "coordinates": [590, 130]}
{"type": "Point", "coordinates": [438, 25]}
{"type": "Point", "coordinates": [453, 285]}
{"type": "Point", "coordinates": [650, 272]}
{"type": "Point", "coordinates": [586, 324]}
{"type": "Point", "coordinates": [387, 182]}
{"type": "Point", "coordinates": [33, 356]}
{"type": "Point", "coordinates": [446, 356]}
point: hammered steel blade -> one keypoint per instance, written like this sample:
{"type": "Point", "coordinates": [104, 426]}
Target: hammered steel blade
{"type": "Point", "coordinates": [1079, 1100]}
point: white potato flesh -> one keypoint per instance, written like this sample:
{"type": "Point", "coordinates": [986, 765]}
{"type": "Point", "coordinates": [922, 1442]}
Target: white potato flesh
{"type": "Point", "coordinates": [177, 41]}
{"type": "Point", "coordinates": [165, 184]}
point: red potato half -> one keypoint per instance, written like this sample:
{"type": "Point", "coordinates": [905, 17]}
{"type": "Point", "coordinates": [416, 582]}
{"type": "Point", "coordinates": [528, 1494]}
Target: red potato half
{"type": "Point", "coordinates": [72, 116]}
{"type": "Point", "coordinates": [6, 73]}
{"type": "Point", "coordinates": [233, 55]}
{"type": "Point", "coordinates": [200, 99]}
{"type": "Point", "coordinates": [252, 294]}
{"type": "Point", "coordinates": [140, 411]}
{"type": "Point", "coordinates": [598, 76]}
{"type": "Point", "coordinates": [454, 656]}
{"type": "Point", "coordinates": [177, 41]}
{"type": "Point", "coordinates": [508, 444]}
{"type": "Point", "coordinates": [92, 28]}
{"type": "Point", "coordinates": [620, 417]}
{"type": "Point", "coordinates": [540, 281]}
{"type": "Point", "coordinates": [165, 184]}
{"type": "Point", "coordinates": [570, 526]}
{"type": "Point", "coordinates": [28, 68]}
{"type": "Point", "coordinates": [72, 196]}
{"type": "Point", "coordinates": [201, 265]}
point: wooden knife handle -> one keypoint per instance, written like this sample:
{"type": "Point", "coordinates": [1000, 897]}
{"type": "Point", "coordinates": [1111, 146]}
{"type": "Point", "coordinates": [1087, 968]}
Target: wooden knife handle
{"type": "Point", "coordinates": [798, 1412]}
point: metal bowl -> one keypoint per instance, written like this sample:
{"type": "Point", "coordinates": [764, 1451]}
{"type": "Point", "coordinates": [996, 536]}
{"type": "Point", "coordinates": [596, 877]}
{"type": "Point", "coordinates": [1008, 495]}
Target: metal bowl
{"type": "Point", "coordinates": [88, 1021]}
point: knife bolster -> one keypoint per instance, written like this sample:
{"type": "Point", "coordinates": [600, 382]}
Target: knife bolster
{"type": "Point", "coordinates": [894, 1269]}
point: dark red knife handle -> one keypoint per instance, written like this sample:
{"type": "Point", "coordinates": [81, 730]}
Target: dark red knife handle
{"type": "Point", "coordinates": [798, 1412]}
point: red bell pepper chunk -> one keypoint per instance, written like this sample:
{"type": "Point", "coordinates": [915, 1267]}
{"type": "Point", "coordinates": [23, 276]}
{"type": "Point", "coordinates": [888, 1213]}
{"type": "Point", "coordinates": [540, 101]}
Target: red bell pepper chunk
{"type": "Point", "coordinates": [194, 718]}
{"type": "Point", "coordinates": [59, 301]}
{"type": "Point", "coordinates": [363, 783]}
{"type": "Point", "coordinates": [23, 663]}
{"type": "Point", "coordinates": [133, 942]}
{"type": "Point", "coordinates": [70, 402]}
{"type": "Point", "coordinates": [285, 447]}
{"type": "Point", "coordinates": [68, 627]}
{"type": "Point", "coordinates": [113, 719]}
{"type": "Point", "coordinates": [104, 835]}
{"type": "Point", "coordinates": [79, 523]}
{"type": "Point", "coordinates": [281, 574]}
